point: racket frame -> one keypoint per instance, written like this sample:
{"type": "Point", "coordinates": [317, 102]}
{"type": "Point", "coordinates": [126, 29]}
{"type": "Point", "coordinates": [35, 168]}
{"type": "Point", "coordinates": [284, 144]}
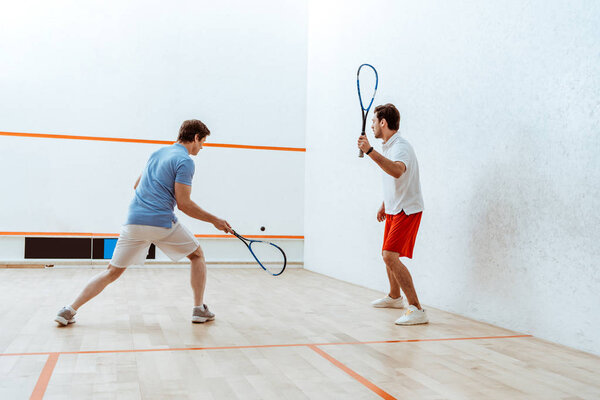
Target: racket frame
{"type": "Point", "coordinates": [365, 111]}
{"type": "Point", "coordinates": [248, 243]}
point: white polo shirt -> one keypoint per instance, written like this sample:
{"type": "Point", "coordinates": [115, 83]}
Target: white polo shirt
{"type": "Point", "coordinates": [403, 193]}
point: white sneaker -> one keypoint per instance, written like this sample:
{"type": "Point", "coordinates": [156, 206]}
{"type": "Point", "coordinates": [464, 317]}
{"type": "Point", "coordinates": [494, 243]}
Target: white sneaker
{"type": "Point", "coordinates": [388, 302]}
{"type": "Point", "coordinates": [66, 316]}
{"type": "Point", "coordinates": [413, 316]}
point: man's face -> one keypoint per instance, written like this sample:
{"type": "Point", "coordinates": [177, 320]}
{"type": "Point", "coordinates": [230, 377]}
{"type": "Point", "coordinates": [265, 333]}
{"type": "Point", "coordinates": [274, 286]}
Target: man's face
{"type": "Point", "coordinates": [376, 126]}
{"type": "Point", "coordinates": [198, 144]}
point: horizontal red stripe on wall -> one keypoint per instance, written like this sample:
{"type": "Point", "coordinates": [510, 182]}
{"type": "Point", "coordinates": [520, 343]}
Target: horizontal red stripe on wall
{"type": "Point", "coordinates": [147, 141]}
{"type": "Point", "coordinates": [114, 235]}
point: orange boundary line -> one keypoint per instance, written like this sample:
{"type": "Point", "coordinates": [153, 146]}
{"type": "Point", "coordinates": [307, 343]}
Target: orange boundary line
{"type": "Point", "coordinates": [115, 235]}
{"type": "Point", "coordinates": [251, 236]}
{"type": "Point", "coordinates": [380, 392]}
{"type": "Point", "coordinates": [46, 374]}
{"type": "Point", "coordinates": [260, 346]}
{"type": "Point", "coordinates": [146, 141]}
{"type": "Point", "coordinates": [42, 383]}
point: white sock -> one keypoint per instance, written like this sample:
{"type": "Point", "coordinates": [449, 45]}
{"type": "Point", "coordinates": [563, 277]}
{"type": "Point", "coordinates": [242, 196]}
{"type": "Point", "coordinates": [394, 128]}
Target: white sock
{"type": "Point", "coordinates": [202, 308]}
{"type": "Point", "coordinates": [74, 311]}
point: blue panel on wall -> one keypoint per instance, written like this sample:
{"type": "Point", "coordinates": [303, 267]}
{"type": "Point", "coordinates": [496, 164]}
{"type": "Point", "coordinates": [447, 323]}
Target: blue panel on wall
{"type": "Point", "coordinates": [109, 248]}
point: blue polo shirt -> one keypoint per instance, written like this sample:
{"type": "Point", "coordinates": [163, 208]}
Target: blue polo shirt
{"type": "Point", "coordinates": [154, 199]}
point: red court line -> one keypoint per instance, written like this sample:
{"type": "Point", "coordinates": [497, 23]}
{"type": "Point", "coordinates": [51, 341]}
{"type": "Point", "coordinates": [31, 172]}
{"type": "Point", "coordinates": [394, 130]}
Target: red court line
{"type": "Point", "coordinates": [383, 394]}
{"type": "Point", "coordinates": [46, 374]}
{"type": "Point", "coordinates": [265, 346]}
{"type": "Point", "coordinates": [434, 340]}
{"type": "Point", "coordinates": [252, 236]}
{"type": "Point", "coordinates": [42, 383]}
{"type": "Point", "coordinates": [244, 146]}
{"type": "Point", "coordinates": [87, 234]}
{"type": "Point", "coordinates": [116, 235]}
{"type": "Point", "coordinates": [146, 141]}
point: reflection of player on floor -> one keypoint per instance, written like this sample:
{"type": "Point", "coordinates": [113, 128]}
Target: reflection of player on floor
{"type": "Point", "coordinates": [166, 181]}
{"type": "Point", "coordinates": [401, 209]}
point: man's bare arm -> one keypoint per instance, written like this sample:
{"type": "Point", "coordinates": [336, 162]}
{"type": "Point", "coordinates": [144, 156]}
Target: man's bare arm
{"type": "Point", "coordinates": [137, 182]}
{"type": "Point", "coordinates": [393, 168]}
{"type": "Point", "coordinates": [189, 207]}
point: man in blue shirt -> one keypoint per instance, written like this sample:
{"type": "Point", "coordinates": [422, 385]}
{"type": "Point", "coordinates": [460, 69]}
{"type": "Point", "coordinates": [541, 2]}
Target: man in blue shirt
{"type": "Point", "coordinates": [165, 182]}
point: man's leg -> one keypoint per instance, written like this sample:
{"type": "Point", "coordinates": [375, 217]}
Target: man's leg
{"type": "Point", "coordinates": [198, 275]}
{"type": "Point", "coordinates": [401, 273]}
{"type": "Point", "coordinates": [201, 313]}
{"type": "Point", "coordinates": [97, 285]}
{"type": "Point", "coordinates": [394, 284]}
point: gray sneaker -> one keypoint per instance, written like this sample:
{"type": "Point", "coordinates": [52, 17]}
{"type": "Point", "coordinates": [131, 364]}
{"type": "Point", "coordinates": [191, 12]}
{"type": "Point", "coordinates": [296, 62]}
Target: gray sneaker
{"type": "Point", "coordinates": [65, 317]}
{"type": "Point", "coordinates": [202, 314]}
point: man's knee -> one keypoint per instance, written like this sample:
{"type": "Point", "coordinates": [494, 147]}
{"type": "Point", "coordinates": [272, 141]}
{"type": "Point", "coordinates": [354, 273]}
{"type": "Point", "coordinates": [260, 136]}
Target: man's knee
{"type": "Point", "coordinates": [390, 257]}
{"type": "Point", "coordinates": [114, 272]}
{"type": "Point", "coordinates": [197, 254]}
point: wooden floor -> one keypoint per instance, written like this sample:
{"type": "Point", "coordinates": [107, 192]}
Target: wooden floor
{"type": "Point", "coordinates": [299, 336]}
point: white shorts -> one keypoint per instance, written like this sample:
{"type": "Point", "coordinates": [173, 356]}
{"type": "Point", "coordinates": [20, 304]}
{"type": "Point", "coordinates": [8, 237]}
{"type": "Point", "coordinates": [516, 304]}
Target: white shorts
{"type": "Point", "coordinates": [133, 244]}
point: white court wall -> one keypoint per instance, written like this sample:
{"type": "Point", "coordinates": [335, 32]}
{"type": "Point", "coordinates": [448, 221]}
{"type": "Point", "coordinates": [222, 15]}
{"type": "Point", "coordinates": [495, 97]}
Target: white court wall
{"type": "Point", "coordinates": [501, 102]}
{"type": "Point", "coordinates": [137, 69]}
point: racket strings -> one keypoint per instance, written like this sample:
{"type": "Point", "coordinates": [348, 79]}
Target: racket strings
{"type": "Point", "coordinates": [370, 80]}
{"type": "Point", "coordinates": [269, 256]}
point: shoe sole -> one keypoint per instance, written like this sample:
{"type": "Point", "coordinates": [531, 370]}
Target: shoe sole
{"type": "Point", "coordinates": [386, 306]}
{"type": "Point", "coordinates": [63, 321]}
{"type": "Point", "coordinates": [199, 320]}
{"type": "Point", "coordinates": [412, 323]}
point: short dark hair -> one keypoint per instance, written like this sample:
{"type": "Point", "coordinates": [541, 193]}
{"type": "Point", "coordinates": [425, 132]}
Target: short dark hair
{"type": "Point", "coordinates": [390, 113]}
{"type": "Point", "coordinates": [190, 128]}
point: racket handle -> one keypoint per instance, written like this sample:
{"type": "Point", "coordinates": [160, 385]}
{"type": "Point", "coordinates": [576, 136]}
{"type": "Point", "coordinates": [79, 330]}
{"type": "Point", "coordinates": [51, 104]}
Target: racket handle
{"type": "Point", "coordinates": [361, 154]}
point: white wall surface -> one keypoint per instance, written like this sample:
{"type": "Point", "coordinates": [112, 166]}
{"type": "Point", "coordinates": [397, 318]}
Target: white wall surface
{"type": "Point", "coordinates": [501, 102]}
{"type": "Point", "coordinates": [137, 69]}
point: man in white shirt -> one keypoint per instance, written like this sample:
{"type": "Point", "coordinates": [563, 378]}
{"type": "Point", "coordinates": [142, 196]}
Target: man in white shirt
{"type": "Point", "coordinates": [401, 210]}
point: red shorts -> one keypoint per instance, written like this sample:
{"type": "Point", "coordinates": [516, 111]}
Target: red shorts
{"type": "Point", "coordinates": [401, 233]}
